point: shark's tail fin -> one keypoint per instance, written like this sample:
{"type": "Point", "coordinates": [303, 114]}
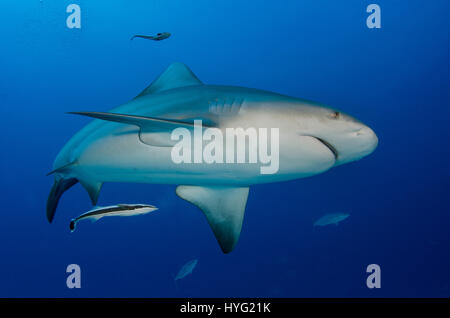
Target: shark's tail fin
{"type": "Point", "coordinates": [59, 187]}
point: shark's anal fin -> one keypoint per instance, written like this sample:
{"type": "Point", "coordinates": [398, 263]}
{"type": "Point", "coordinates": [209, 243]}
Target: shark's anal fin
{"type": "Point", "coordinates": [93, 189]}
{"type": "Point", "coordinates": [224, 208]}
{"type": "Point", "coordinates": [153, 131]}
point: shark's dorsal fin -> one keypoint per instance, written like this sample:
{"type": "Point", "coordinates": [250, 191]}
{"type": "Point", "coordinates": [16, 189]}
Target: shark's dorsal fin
{"type": "Point", "coordinates": [224, 208]}
{"type": "Point", "coordinates": [176, 75]}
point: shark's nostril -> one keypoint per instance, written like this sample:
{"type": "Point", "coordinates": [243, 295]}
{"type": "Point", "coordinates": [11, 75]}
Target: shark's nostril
{"type": "Point", "coordinates": [362, 131]}
{"type": "Point", "coordinates": [369, 137]}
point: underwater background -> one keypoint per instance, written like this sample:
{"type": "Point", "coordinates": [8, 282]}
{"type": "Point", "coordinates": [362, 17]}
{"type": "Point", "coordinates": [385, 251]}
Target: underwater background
{"type": "Point", "coordinates": [395, 79]}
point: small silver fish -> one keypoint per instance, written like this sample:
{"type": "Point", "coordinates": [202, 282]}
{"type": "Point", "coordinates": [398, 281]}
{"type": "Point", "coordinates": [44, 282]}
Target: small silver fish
{"type": "Point", "coordinates": [157, 37]}
{"type": "Point", "coordinates": [333, 218]}
{"type": "Point", "coordinates": [186, 269]}
{"type": "Point", "coordinates": [113, 210]}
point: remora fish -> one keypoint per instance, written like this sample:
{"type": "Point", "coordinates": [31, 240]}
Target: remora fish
{"type": "Point", "coordinates": [333, 218]}
{"type": "Point", "coordinates": [113, 210]}
{"type": "Point", "coordinates": [157, 37]}
{"type": "Point", "coordinates": [132, 143]}
{"type": "Point", "coordinates": [186, 269]}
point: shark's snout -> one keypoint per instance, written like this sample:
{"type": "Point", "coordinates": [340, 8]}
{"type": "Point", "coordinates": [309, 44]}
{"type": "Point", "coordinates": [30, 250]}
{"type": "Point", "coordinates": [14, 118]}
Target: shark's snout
{"type": "Point", "coordinates": [370, 139]}
{"type": "Point", "coordinates": [357, 144]}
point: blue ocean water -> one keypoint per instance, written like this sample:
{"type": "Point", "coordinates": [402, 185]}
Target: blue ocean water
{"type": "Point", "coordinates": [395, 79]}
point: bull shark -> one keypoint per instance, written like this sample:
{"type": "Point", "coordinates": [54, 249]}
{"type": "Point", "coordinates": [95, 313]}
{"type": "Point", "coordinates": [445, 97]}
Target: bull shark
{"type": "Point", "coordinates": [132, 143]}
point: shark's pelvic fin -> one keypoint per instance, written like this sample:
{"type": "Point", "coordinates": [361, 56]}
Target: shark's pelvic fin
{"type": "Point", "coordinates": [93, 188]}
{"type": "Point", "coordinates": [154, 131]}
{"type": "Point", "coordinates": [224, 208]}
{"type": "Point", "coordinates": [176, 75]}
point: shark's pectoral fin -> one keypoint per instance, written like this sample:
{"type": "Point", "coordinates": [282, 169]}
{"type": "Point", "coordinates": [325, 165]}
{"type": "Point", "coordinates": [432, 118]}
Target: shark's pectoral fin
{"type": "Point", "coordinates": [176, 75]}
{"type": "Point", "coordinates": [224, 208]}
{"type": "Point", "coordinates": [93, 188]}
{"type": "Point", "coordinates": [153, 131]}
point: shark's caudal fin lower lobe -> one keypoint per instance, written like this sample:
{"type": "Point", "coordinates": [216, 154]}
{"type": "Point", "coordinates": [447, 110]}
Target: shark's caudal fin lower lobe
{"type": "Point", "coordinates": [224, 208]}
{"type": "Point", "coordinates": [59, 187]}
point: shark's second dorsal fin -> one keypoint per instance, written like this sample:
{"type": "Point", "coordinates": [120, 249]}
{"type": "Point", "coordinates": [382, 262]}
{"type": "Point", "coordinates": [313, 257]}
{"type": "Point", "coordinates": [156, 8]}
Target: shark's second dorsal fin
{"type": "Point", "coordinates": [176, 75]}
{"type": "Point", "coordinates": [224, 208]}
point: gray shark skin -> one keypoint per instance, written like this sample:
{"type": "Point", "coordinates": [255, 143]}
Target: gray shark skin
{"type": "Point", "coordinates": [131, 143]}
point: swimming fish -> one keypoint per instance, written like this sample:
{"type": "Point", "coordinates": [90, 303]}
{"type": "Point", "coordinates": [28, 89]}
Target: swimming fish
{"type": "Point", "coordinates": [113, 210]}
{"type": "Point", "coordinates": [186, 269]}
{"type": "Point", "coordinates": [333, 218]}
{"type": "Point", "coordinates": [157, 37]}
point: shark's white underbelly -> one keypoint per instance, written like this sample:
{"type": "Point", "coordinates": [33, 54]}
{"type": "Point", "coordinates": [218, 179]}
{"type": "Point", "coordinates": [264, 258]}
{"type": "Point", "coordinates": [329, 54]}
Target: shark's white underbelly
{"type": "Point", "coordinates": [122, 157]}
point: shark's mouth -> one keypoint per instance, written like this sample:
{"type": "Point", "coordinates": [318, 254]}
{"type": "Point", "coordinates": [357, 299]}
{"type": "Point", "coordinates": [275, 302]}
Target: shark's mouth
{"type": "Point", "coordinates": [329, 146]}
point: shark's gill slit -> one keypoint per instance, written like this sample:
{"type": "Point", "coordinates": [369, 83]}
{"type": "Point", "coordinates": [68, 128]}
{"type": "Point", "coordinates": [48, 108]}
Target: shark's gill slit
{"type": "Point", "coordinates": [329, 146]}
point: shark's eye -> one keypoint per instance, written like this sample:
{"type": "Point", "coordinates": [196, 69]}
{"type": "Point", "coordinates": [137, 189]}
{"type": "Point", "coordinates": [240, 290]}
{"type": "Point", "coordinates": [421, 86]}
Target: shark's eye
{"type": "Point", "coordinates": [335, 115]}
